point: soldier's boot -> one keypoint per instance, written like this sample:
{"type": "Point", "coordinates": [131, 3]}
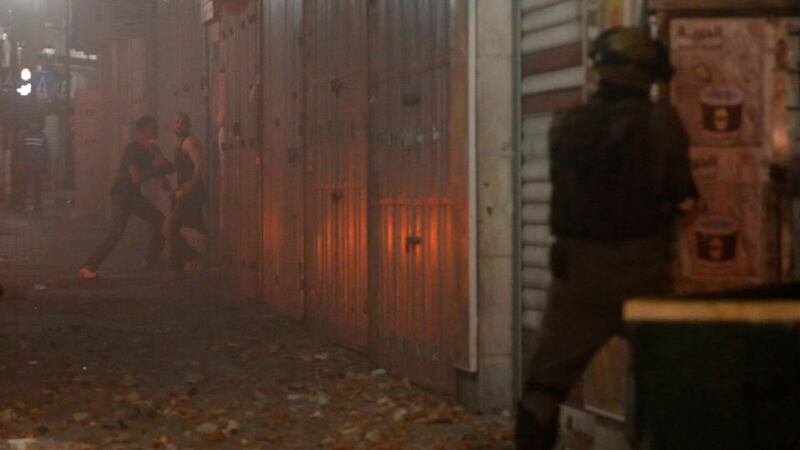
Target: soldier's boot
{"type": "Point", "coordinates": [531, 434]}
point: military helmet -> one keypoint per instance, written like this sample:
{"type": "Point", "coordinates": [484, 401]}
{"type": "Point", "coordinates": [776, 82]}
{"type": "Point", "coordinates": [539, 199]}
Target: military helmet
{"type": "Point", "coordinates": [630, 57]}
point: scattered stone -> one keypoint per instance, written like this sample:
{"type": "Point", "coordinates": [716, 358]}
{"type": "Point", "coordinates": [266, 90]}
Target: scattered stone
{"type": "Point", "coordinates": [80, 417]}
{"type": "Point", "coordinates": [231, 428]}
{"type": "Point", "coordinates": [374, 436]}
{"type": "Point", "coordinates": [129, 380]}
{"type": "Point", "coordinates": [379, 372]}
{"type": "Point", "coordinates": [207, 429]}
{"type": "Point", "coordinates": [194, 378]}
{"type": "Point", "coordinates": [350, 431]}
{"type": "Point", "coordinates": [8, 415]}
{"type": "Point", "coordinates": [399, 415]}
{"type": "Point", "coordinates": [295, 397]}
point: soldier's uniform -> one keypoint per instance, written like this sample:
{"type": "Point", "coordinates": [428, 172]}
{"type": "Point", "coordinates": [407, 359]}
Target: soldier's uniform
{"type": "Point", "coordinates": [620, 168]}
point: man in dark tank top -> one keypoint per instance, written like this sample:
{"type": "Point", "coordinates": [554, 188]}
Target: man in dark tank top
{"type": "Point", "coordinates": [188, 199]}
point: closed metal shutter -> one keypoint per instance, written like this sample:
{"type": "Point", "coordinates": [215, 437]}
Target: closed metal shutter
{"type": "Point", "coordinates": [553, 74]}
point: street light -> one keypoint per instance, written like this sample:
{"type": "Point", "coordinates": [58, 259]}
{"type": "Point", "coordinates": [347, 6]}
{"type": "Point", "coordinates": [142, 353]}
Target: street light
{"type": "Point", "coordinates": [25, 74]}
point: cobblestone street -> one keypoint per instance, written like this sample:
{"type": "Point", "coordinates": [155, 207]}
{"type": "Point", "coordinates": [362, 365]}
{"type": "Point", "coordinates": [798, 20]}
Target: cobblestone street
{"type": "Point", "coordinates": [133, 361]}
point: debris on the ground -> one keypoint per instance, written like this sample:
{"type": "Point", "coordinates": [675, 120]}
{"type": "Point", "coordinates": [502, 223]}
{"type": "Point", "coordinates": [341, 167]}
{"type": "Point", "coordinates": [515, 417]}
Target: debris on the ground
{"type": "Point", "coordinates": [7, 415]}
{"type": "Point", "coordinates": [194, 378]}
{"type": "Point", "coordinates": [135, 364]}
{"type": "Point", "coordinates": [129, 380]}
{"type": "Point", "coordinates": [80, 416]}
{"type": "Point", "coordinates": [231, 428]}
{"type": "Point", "coordinates": [295, 397]}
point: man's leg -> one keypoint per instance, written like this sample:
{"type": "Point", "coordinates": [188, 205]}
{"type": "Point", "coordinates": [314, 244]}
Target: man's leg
{"type": "Point", "coordinates": [591, 281]}
{"type": "Point", "coordinates": [155, 221]}
{"type": "Point", "coordinates": [120, 211]}
{"type": "Point", "coordinates": [19, 188]}
{"type": "Point", "coordinates": [180, 251]}
{"type": "Point", "coordinates": [570, 337]}
{"type": "Point", "coordinates": [36, 180]}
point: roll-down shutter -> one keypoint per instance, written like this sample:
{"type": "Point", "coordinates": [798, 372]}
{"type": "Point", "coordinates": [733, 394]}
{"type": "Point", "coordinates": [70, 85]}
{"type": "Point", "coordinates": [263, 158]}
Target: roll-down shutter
{"type": "Point", "coordinates": [551, 48]}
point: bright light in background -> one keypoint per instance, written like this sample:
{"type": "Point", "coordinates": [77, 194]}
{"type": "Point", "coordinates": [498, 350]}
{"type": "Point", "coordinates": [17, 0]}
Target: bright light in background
{"type": "Point", "coordinates": [25, 90]}
{"type": "Point", "coordinates": [25, 74]}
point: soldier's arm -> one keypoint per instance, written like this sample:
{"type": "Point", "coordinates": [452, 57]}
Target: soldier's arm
{"type": "Point", "coordinates": [680, 185]}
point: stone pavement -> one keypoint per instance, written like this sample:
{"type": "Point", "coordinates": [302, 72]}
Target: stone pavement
{"type": "Point", "coordinates": [133, 361]}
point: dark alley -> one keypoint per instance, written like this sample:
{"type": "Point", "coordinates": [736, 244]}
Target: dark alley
{"type": "Point", "coordinates": [133, 361]}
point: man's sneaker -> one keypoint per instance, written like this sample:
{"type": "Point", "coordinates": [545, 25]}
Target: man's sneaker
{"type": "Point", "coordinates": [87, 274]}
{"type": "Point", "coordinates": [530, 434]}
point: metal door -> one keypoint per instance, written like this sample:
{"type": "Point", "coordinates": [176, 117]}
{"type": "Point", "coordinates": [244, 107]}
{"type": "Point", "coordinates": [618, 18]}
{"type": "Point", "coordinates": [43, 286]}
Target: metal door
{"type": "Point", "coordinates": [242, 167]}
{"type": "Point", "coordinates": [336, 169]}
{"type": "Point", "coordinates": [551, 46]}
{"type": "Point", "coordinates": [91, 165]}
{"type": "Point", "coordinates": [282, 234]}
{"type": "Point", "coordinates": [418, 197]}
{"type": "Point", "coordinates": [182, 84]}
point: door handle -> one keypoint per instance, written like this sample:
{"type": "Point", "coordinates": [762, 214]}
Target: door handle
{"type": "Point", "coordinates": [413, 241]}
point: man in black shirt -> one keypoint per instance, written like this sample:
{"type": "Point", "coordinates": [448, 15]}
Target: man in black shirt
{"type": "Point", "coordinates": [141, 161]}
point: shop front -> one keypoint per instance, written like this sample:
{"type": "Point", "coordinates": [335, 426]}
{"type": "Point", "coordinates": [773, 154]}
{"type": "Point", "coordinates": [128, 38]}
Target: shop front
{"type": "Point", "coordinates": [736, 89]}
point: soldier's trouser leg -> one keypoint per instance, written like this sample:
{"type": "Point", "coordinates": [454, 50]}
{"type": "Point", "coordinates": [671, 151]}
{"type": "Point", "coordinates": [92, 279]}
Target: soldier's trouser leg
{"type": "Point", "coordinates": [591, 282]}
{"type": "Point", "coordinates": [571, 335]}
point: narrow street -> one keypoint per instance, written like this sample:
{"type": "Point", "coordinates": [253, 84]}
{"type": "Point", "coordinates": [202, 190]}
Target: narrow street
{"type": "Point", "coordinates": [134, 361]}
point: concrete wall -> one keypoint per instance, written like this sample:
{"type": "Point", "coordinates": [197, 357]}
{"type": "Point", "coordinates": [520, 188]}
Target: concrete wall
{"type": "Point", "coordinates": [492, 388]}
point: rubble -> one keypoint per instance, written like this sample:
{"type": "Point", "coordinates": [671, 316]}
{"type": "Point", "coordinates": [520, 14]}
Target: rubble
{"type": "Point", "coordinates": [193, 367]}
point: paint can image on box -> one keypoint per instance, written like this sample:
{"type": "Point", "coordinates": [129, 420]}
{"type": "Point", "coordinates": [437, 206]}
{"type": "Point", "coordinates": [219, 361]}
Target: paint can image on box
{"type": "Point", "coordinates": [722, 113]}
{"type": "Point", "coordinates": [717, 238]}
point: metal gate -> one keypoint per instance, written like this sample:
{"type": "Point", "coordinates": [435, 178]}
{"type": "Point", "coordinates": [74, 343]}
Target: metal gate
{"type": "Point", "coordinates": [418, 197]}
{"type": "Point", "coordinates": [240, 226]}
{"type": "Point", "coordinates": [284, 97]}
{"type": "Point", "coordinates": [182, 83]}
{"type": "Point", "coordinates": [336, 169]}
{"type": "Point", "coordinates": [553, 76]}
{"type": "Point", "coordinates": [91, 162]}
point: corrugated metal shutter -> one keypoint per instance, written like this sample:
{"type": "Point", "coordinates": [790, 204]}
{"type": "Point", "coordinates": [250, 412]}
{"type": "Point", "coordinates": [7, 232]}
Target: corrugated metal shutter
{"type": "Point", "coordinates": [336, 169]}
{"type": "Point", "coordinates": [241, 198]}
{"type": "Point", "coordinates": [284, 104]}
{"type": "Point", "coordinates": [91, 165]}
{"type": "Point", "coordinates": [181, 66]}
{"type": "Point", "coordinates": [551, 47]}
{"type": "Point", "coordinates": [418, 246]}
